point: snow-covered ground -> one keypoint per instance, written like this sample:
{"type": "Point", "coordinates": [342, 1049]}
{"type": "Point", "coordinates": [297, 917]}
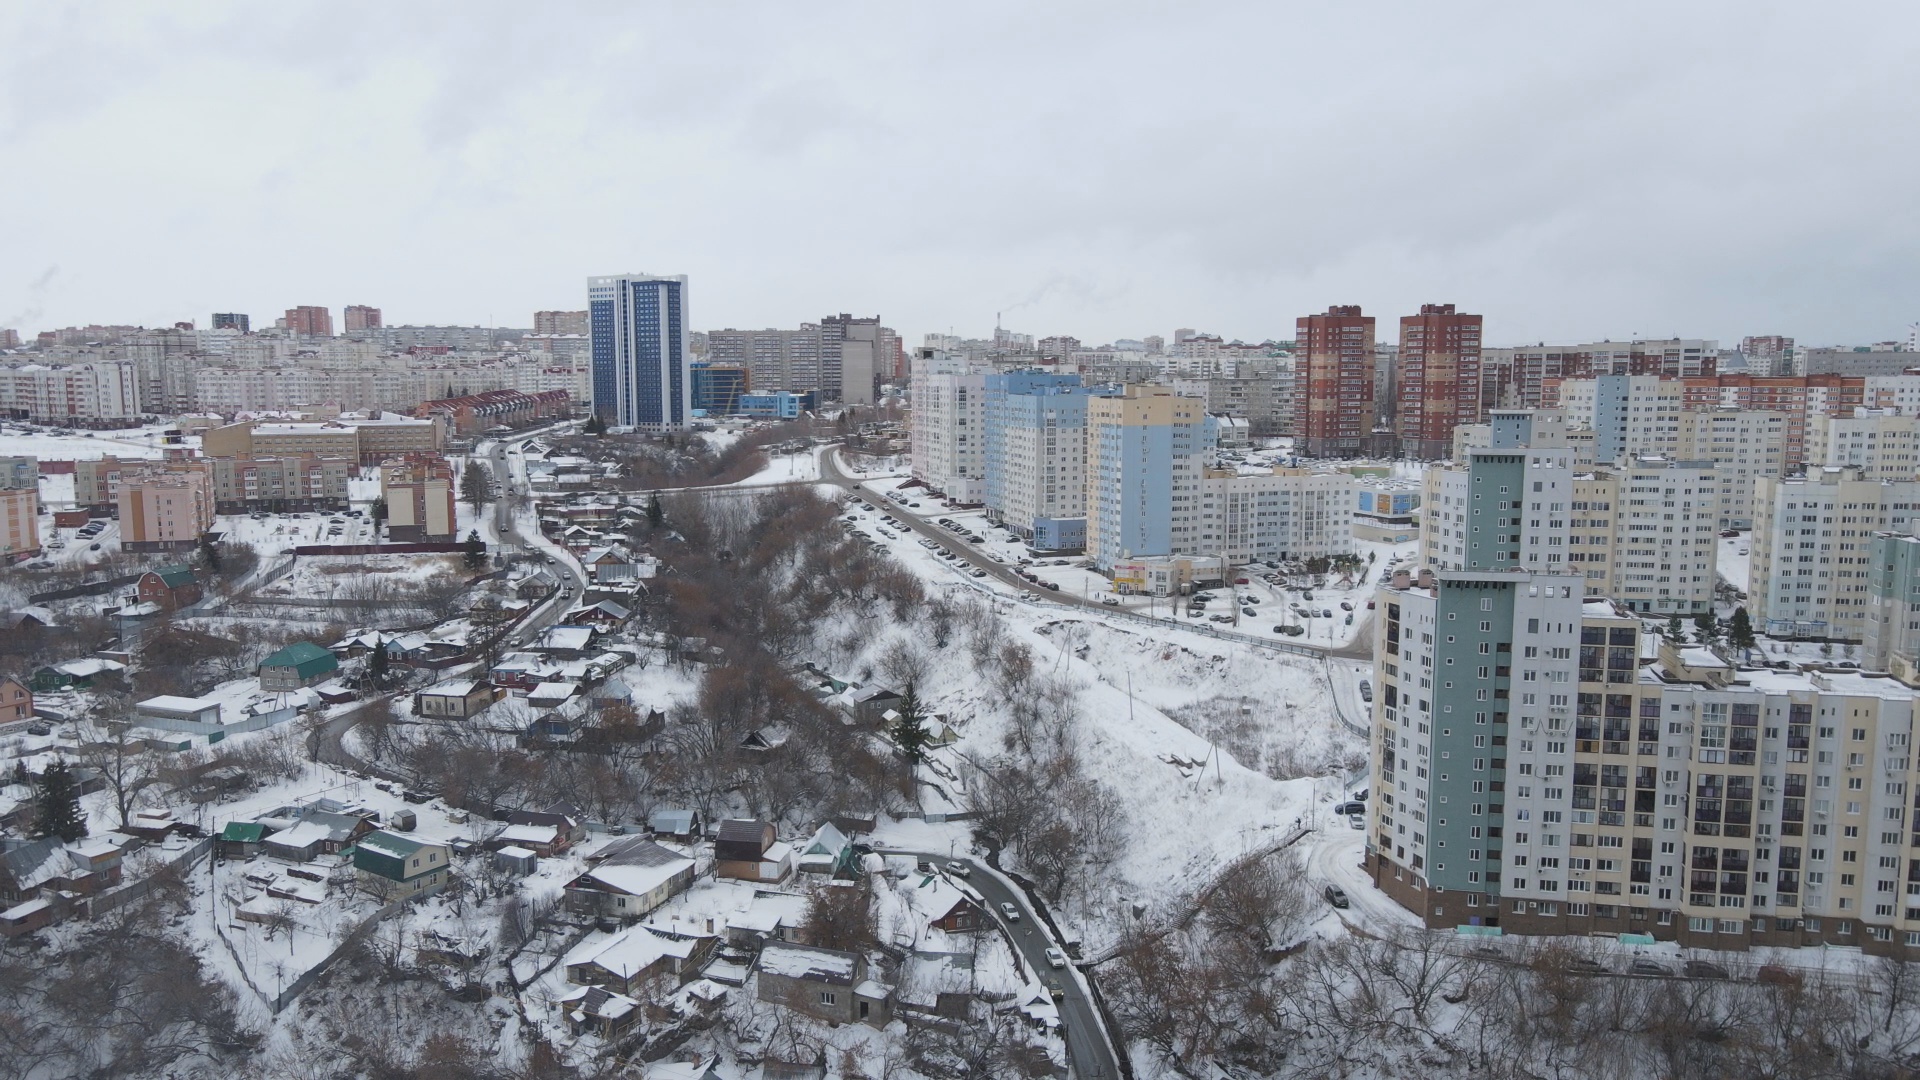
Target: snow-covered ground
{"type": "Point", "coordinates": [1734, 560]}
{"type": "Point", "coordinates": [788, 468]}
{"type": "Point", "coordinates": [143, 442]}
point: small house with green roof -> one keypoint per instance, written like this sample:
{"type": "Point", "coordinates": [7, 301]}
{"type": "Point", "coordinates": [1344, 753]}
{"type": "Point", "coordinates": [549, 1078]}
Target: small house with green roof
{"type": "Point", "coordinates": [403, 865]}
{"type": "Point", "coordinates": [296, 667]}
{"type": "Point", "coordinates": [241, 839]}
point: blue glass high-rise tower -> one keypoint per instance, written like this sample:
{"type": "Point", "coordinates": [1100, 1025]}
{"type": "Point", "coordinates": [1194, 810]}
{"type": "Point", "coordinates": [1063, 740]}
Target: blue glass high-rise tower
{"type": "Point", "coordinates": [642, 375]}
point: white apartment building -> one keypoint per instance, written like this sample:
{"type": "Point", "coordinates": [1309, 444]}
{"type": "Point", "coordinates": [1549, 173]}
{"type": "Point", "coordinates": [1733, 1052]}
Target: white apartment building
{"type": "Point", "coordinates": [1472, 515]}
{"type": "Point", "coordinates": [1631, 415]}
{"type": "Point", "coordinates": [96, 393]}
{"type": "Point", "coordinates": [1883, 443]}
{"type": "Point", "coordinates": [1743, 445]}
{"type": "Point", "coordinates": [948, 436]}
{"type": "Point", "coordinates": [1643, 534]}
{"type": "Point", "coordinates": [1812, 541]}
{"type": "Point", "coordinates": [1892, 392]}
{"type": "Point", "coordinates": [1282, 514]}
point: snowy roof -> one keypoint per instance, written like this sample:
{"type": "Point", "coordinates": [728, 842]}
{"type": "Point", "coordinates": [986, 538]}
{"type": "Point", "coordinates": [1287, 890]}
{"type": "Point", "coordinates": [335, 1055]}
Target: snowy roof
{"type": "Point", "coordinates": [1699, 656]}
{"type": "Point", "coordinates": [633, 951]}
{"type": "Point", "coordinates": [394, 844]}
{"type": "Point", "coordinates": [528, 834]}
{"type": "Point", "coordinates": [452, 688]}
{"type": "Point", "coordinates": [175, 703]}
{"type": "Point", "coordinates": [671, 821]}
{"type": "Point", "coordinates": [808, 962]}
{"type": "Point", "coordinates": [518, 853]}
{"type": "Point", "coordinates": [568, 637]}
{"type": "Point", "coordinates": [553, 691]}
{"type": "Point", "coordinates": [21, 911]}
{"type": "Point", "coordinates": [637, 878]}
{"type": "Point", "coordinates": [91, 665]}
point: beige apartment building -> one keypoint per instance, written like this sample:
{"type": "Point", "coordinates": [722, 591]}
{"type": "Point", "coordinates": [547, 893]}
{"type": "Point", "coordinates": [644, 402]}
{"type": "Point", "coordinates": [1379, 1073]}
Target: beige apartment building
{"type": "Point", "coordinates": [1883, 443]}
{"type": "Point", "coordinates": [1812, 542]}
{"type": "Point", "coordinates": [1644, 534]}
{"type": "Point", "coordinates": [419, 491]}
{"type": "Point", "coordinates": [165, 508]}
{"type": "Point", "coordinates": [368, 441]}
{"type": "Point", "coordinates": [19, 524]}
{"type": "Point", "coordinates": [1744, 445]}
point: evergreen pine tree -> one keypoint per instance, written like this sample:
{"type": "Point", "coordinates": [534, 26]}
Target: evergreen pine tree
{"type": "Point", "coordinates": [910, 730]}
{"type": "Point", "coordinates": [210, 553]}
{"type": "Point", "coordinates": [1740, 629]}
{"type": "Point", "coordinates": [655, 514]}
{"type": "Point", "coordinates": [476, 485]}
{"type": "Point", "coordinates": [1675, 631]}
{"type": "Point", "coordinates": [58, 802]}
{"type": "Point", "coordinates": [476, 551]}
{"type": "Point", "coordinates": [377, 661]}
{"type": "Point", "coordinates": [595, 426]}
{"type": "Point", "coordinates": [1706, 628]}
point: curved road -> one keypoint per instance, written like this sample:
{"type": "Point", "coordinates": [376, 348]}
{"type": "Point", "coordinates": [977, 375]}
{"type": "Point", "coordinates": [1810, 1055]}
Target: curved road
{"type": "Point", "coordinates": [1360, 648]}
{"type": "Point", "coordinates": [1087, 1046]}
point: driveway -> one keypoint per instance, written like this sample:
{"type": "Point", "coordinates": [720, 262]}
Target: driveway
{"type": "Point", "coordinates": [1087, 1047]}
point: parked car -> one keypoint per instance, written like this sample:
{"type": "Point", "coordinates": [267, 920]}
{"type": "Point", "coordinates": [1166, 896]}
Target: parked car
{"type": "Point", "coordinates": [1648, 967]}
{"type": "Point", "coordinates": [1056, 958]}
{"type": "Point", "coordinates": [1580, 965]}
{"type": "Point", "coordinates": [1326, 613]}
{"type": "Point", "coordinates": [959, 869]}
{"type": "Point", "coordinates": [1308, 595]}
{"type": "Point", "coordinates": [1366, 690]}
{"type": "Point", "coordinates": [1346, 605]}
{"type": "Point", "coordinates": [1054, 585]}
{"type": "Point", "coordinates": [1351, 807]}
{"type": "Point", "coordinates": [979, 573]}
{"type": "Point", "coordinates": [1011, 913]}
{"type": "Point", "coordinates": [1357, 822]}
{"type": "Point", "coordinates": [1293, 631]}
{"type": "Point", "coordinates": [1702, 969]}
{"type": "Point", "coordinates": [1249, 612]}
{"type": "Point", "coordinates": [1110, 601]}
{"type": "Point", "coordinates": [1777, 975]}
{"type": "Point", "coordinates": [1335, 895]}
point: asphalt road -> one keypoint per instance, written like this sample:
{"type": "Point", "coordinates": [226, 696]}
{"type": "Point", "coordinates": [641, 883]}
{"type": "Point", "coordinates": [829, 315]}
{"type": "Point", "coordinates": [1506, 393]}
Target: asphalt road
{"type": "Point", "coordinates": [1360, 648]}
{"type": "Point", "coordinates": [1087, 1047]}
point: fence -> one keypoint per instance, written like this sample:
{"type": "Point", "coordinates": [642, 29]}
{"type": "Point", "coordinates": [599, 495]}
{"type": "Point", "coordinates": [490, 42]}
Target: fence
{"type": "Point", "coordinates": [126, 894]}
{"type": "Point", "coordinates": [91, 588]}
{"type": "Point", "coordinates": [351, 942]}
{"type": "Point", "coordinates": [447, 548]}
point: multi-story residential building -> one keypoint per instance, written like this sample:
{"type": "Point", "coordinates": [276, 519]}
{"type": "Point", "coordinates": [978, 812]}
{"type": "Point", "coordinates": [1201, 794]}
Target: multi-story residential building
{"type": "Point", "coordinates": [1146, 452]}
{"type": "Point", "coordinates": [19, 472]}
{"type": "Point", "coordinates": [1034, 428]}
{"type": "Point", "coordinates": [561, 322]}
{"type": "Point", "coordinates": [1884, 443]}
{"type": "Point", "coordinates": [1534, 372]}
{"type": "Point", "coordinates": [282, 485]}
{"type": "Point", "coordinates": [163, 508]}
{"type": "Point", "coordinates": [1799, 398]}
{"type": "Point", "coordinates": [1438, 382]}
{"type": "Point", "coordinates": [1282, 514]}
{"type": "Point", "coordinates": [948, 437]}
{"type": "Point", "coordinates": [96, 481]}
{"type": "Point", "coordinates": [96, 394]}
{"type": "Point", "coordinates": [474, 414]}
{"type": "Point", "coordinates": [19, 523]}
{"type": "Point", "coordinates": [857, 342]}
{"type": "Point", "coordinates": [1631, 415]}
{"type": "Point", "coordinates": [1265, 401]}
{"type": "Point", "coordinates": [776, 359]}
{"type": "Point", "coordinates": [365, 439]}
{"type": "Point", "coordinates": [232, 320]}
{"type": "Point", "coordinates": [1811, 549]}
{"type": "Point", "coordinates": [1472, 510]}
{"type": "Point", "coordinates": [307, 321]}
{"type": "Point", "coordinates": [1892, 642]}
{"type": "Point", "coordinates": [1531, 775]}
{"type": "Point", "coordinates": [1743, 444]}
{"type": "Point", "coordinates": [717, 387]}
{"type": "Point", "coordinates": [1879, 360]}
{"type": "Point", "coordinates": [419, 491]}
{"type": "Point", "coordinates": [1643, 534]}
{"type": "Point", "coordinates": [361, 317]}
{"type": "Point", "coordinates": [1768, 354]}
{"type": "Point", "coordinates": [1333, 411]}
{"type": "Point", "coordinates": [641, 376]}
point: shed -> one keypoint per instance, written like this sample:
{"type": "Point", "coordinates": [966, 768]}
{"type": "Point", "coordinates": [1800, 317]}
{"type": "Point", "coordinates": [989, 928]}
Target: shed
{"type": "Point", "coordinates": [299, 665]}
{"type": "Point", "coordinates": [242, 839]}
{"type": "Point", "coordinates": [516, 860]}
{"type": "Point", "coordinates": [683, 825]}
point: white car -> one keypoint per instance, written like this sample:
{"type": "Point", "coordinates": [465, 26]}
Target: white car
{"type": "Point", "coordinates": [1056, 958]}
{"type": "Point", "coordinates": [1012, 913]}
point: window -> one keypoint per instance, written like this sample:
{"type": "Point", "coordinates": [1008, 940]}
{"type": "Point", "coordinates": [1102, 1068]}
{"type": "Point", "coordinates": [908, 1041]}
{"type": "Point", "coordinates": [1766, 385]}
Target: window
{"type": "Point", "coordinates": [828, 997]}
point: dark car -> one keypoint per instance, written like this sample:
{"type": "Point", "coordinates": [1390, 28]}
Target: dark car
{"type": "Point", "coordinates": [1351, 807]}
{"type": "Point", "coordinates": [1648, 967]}
{"type": "Point", "coordinates": [1701, 969]}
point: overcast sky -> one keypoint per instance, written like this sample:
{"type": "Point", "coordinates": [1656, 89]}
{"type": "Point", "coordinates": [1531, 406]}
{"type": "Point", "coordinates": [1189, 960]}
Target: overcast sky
{"type": "Point", "coordinates": [1104, 170]}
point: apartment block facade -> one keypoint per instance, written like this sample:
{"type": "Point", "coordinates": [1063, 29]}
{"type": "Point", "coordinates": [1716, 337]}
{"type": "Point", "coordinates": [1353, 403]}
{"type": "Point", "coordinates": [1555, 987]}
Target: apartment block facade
{"type": "Point", "coordinates": [1035, 450]}
{"type": "Point", "coordinates": [1743, 445]}
{"type": "Point", "coordinates": [309, 322]}
{"type": "Point", "coordinates": [1333, 410]}
{"type": "Point", "coordinates": [296, 484]}
{"type": "Point", "coordinates": [1282, 514]}
{"type": "Point", "coordinates": [19, 524]}
{"type": "Point", "coordinates": [1146, 453]}
{"type": "Point", "coordinates": [948, 437]}
{"type": "Point", "coordinates": [419, 490]}
{"type": "Point", "coordinates": [1644, 534]}
{"type": "Point", "coordinates": [104, 393]}
{"type": "Point", "coordinates": [1883, 443]}
{"type": "Point", "coordinates": [165, 508]}
{"type": "Point", "coordinates": [641, 358]}
{"type": "Point", "coordinates": [1438, 379]}
{"type": "Point", "coordinates": [1532, 775]}
{"type": "Point", "coordinates": [1892, 641]}
{"type": "Point", "coordinates": [1811, 549]}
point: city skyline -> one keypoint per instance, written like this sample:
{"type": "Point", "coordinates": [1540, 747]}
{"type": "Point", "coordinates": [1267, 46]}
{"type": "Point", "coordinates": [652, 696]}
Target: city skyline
{"type": "Point", "coordinates": [1201, 213]}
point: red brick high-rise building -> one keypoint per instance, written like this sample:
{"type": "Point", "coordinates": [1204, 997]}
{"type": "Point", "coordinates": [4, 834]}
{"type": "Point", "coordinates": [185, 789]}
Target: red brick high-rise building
{"type": "Point", "coordinates": [1439, 383]}
{"type": "Point", "coordinates": [1333, 383]}
{"type": "Point", "coordinates": [362, 317]}
{"type": "Point", "coordinates": [305, 321]}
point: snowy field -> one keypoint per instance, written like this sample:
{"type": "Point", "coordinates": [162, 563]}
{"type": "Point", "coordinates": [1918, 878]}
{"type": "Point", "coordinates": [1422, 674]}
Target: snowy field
{"type": "Point", "coordinates": [788, 468]}
{"type": "Point", "coordinates": [144, 442]}
{"type": "Point", "coordinates": [1734, 560]}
